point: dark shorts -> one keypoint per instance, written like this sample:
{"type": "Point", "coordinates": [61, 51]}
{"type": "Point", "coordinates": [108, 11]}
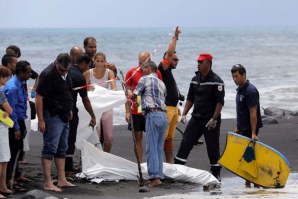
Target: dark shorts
{"type": "Point", "coordinates": [247, 133]}
{"type": "Point", "coordinates": [139, 123]}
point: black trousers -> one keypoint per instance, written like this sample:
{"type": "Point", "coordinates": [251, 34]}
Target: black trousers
{"type": "Point", "coordinates": [72, 137]}
{"type": "Point", "coordinates": [194, 130]}
{"type": "Point", "coordinates": [16, 146]}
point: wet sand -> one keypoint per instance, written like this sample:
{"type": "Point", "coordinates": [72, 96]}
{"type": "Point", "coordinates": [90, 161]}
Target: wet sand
{"type": "Point", "coordinates": [282, 136]}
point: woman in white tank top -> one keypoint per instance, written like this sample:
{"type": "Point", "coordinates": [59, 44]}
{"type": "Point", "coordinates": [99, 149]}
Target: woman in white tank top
{"type": "Point", "coordinates": [95, 76]}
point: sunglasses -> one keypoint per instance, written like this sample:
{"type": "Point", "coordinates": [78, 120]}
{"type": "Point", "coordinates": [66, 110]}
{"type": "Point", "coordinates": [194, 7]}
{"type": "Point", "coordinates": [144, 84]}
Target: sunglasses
{"type": "Point", "coordinates": [175, 59]}
{"type": "Point", "coordinates": [63, 70]}
{"type": "Point", "coordinates": [238, 66]}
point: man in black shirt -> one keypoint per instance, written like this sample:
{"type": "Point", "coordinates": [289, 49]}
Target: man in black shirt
{"type": "Point", "coordinates": [54, 104]}
{"type": "Point", "coordinates": [206, 93]}
{"type": "Point", "coordinates": [169, 62]}
{"type": "Point", "coordinates": [79, 84]}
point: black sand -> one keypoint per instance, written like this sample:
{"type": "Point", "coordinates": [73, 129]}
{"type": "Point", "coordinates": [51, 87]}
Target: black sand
{"type": "Point", "coordinates": [282, 136]}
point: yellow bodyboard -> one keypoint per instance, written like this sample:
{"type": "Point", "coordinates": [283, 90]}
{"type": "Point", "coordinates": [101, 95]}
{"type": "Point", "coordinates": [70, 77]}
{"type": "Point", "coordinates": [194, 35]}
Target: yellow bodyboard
{"type": "Point", "coordinates": [269, 169]}
{"type": "Point", "coordinates": [6, 121]}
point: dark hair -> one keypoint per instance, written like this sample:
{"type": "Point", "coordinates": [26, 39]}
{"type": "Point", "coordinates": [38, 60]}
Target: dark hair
{"type": "Point", "coordinates": [21, 67]}
{"type": "Point", "coordinates": [238, 67]}
{"type": "Point", "coordinates": [151, 65]}
{"type": "Point", "coordinates": [84, 58]}
{"type": "Point", "coordinates": [7, 59]}
{"type": "Point", "coordinates": [4, 72]}
{"type": "Point", "coordinates": [63, 59]}
{"type": "Point", "coordinates": [15, 49]}
{"type": "Point", "coordinates": [86, 40]}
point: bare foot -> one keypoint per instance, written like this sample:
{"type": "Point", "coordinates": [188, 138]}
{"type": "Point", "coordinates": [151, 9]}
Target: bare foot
{"type": "Point", "coordinates": [6, 190]}
{"type": "Point", "coordinates": [2, 196]}
{"type": "Point", "coordinates": [65, 184]}
{"type": "Point", "coordinates": [154, 182]}
{"type": "Point", "coordinates": [52, 188]}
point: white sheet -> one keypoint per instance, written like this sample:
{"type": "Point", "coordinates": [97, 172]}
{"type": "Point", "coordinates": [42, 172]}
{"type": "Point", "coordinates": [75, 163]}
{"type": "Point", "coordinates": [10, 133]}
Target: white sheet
{"type": "Point", "coordinates": [108, 167]}
{"type": "Point", "coordinates": [102, 100]}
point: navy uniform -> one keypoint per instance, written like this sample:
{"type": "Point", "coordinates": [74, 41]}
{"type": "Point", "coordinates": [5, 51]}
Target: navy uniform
{"type": "Point", "coordinates": [205, 93]}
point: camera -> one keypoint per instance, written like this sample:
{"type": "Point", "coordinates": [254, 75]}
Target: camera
{"type": "Point", "coordinates": [181, 97]}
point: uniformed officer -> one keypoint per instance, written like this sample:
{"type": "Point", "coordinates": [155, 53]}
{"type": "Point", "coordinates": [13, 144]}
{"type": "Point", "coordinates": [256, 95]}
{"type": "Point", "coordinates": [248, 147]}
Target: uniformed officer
{"type": "Point", "coordinates": [206, 93]}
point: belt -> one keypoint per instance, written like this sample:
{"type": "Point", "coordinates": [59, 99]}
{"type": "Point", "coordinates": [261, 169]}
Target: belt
{"type": "Point", "coordinates": [148, 110]}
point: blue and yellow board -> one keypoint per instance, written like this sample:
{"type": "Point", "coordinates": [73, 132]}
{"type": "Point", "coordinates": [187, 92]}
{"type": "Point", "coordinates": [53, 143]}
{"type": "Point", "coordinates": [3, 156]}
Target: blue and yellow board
{"type": "Point", "coordinates": [255, 161]}
{"type": "Point", "coordinates": [6, 121]}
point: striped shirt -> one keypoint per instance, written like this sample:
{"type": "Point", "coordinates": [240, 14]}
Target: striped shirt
{"type": "Point", "coordinates": [152, 91]}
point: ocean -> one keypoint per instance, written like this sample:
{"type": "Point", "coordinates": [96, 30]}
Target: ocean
{"type": "Point", "coordinates": [269, 54]}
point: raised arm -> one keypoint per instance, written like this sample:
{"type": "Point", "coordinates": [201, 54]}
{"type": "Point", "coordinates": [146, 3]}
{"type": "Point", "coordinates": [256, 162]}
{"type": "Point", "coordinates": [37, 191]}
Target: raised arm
{"type": "Point", "coordinates": [171, 50]}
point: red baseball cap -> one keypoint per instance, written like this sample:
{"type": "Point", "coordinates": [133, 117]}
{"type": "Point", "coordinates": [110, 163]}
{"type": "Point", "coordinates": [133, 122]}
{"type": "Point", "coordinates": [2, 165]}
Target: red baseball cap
{"type": "Point", "coordinates": [205, 56]}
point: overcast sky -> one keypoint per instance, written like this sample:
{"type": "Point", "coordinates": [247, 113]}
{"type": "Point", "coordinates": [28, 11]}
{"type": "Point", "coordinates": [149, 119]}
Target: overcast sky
{"type": "Point", "coordinates": [147, 13]}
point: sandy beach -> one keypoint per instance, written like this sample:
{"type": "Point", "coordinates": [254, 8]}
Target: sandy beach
{"type": "Point", "coordinates": [282, 136]}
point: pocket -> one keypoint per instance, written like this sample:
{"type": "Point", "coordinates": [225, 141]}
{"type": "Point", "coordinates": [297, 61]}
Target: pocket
{"type": "Point", "coordinates": [160, 119]}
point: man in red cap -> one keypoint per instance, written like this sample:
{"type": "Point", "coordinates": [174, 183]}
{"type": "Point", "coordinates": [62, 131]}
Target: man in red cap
{"type": "Point", "coordinates": [206, 93]}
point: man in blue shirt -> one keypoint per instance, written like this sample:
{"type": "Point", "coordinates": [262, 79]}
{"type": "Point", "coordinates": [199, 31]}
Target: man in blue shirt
{"type": "Point", "coordinates": [16, 93]}
{"type": "Point", "coordinates": [249, 119]}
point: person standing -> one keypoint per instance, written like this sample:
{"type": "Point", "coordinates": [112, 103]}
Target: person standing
{"type": "Point", "coordinates": [132, 78]}
{"type": "Point", "coordinates": [15, 51]}
{"type": "Point", "coordinates": [99, 76]}
{"type": "Point", "coordinates": [76, 52]}
{"type": "Point", "coordinates": [153, 93]}
{"type": "Point", "coordinates": [16, 93]}
{"type": "Point", "coordinates": [10, 62]}
{"type": "Point", "coordinates": [248, 109]}
{"type": "Point", "coordinates": [90, 47]}
{"type": "Point", "coordinates": [78, 80]}
{"type": "Point", "coordinates": [206, 94]}
{"type": "Point", "coordinates": [54, 104]}
{"type": "Point", "coordinates": [169, 62]}
{"type": "Point", "coordinates": [5, 74]}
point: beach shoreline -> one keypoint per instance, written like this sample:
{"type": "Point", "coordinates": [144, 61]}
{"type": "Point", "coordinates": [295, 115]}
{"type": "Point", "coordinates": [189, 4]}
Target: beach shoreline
{"type": "Point", "coordinates": [283, 137]}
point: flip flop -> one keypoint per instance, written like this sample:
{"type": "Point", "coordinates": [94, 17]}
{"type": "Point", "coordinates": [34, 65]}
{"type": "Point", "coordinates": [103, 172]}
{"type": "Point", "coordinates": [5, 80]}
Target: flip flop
{"type": "Point", "coordinates": [23, 179]}
{"type": "Point", "coordinates": [18, 189]}
{"type": "Point", "coordinates": [5, 193]}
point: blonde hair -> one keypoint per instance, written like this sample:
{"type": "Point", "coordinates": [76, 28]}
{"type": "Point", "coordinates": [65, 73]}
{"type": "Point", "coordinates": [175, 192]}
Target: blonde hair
{"type": "Point", "coordinates": [100, 54]}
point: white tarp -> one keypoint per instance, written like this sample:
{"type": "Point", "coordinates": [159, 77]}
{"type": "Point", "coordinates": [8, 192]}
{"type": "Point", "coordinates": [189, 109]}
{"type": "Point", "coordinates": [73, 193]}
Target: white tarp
{"type": "Point", "coordinates": [105, 166]}
{"type": "Point", "coordinates": [102, 100]}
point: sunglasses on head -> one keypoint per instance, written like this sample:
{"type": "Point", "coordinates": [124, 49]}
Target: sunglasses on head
{"type": "Point", "coordinates": [237, 66]}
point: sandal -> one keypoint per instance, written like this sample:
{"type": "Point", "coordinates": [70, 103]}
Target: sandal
{"type": "Point", "coordinates": [23, 179]}
{"type": "Point", "coordinates": [5, 193]}
{"type": "Point", "coordinates": [19, 189]}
